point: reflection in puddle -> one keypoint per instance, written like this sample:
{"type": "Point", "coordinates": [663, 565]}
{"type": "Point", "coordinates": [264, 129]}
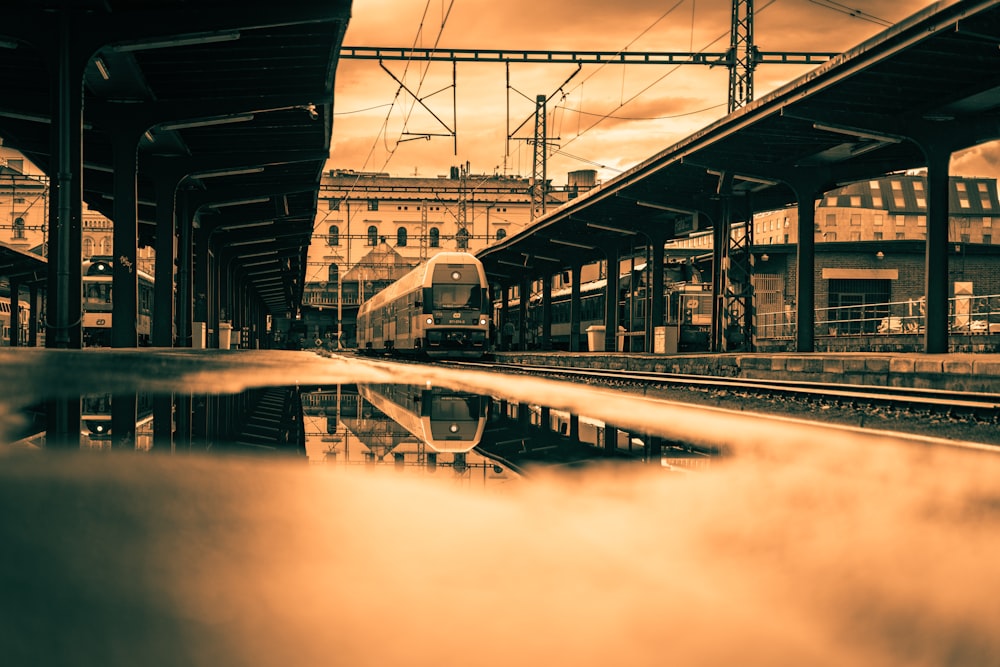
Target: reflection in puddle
{"type": "Point", "coordinates": [331, 547]}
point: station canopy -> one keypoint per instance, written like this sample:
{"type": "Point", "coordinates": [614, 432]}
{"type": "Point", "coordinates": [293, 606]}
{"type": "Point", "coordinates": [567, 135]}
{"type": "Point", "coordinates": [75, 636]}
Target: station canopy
{"type": "Point", "coordinates": [231, 100]}
{"type": "Point", "coordinates": [931, 81]}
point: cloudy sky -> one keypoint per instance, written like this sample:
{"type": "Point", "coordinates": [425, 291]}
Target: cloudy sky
{"type": "Point", "coordinates": [604, 117]}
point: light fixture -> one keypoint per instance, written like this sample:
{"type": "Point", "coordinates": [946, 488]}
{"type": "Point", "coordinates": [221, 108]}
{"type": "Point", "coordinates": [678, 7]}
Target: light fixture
{"type": "Point", "coordinates": [149, 136]}
{"type": "Point", "coordinates": [572, 244]}
{"type": "Point", "coordinates": [854, 132]}
{"type": "Point", "coordinates": [609, 228]}
{"type": "Point", "coordinates": [764, 257]}
{"type": "Point", "coordinates": [229, 172]}
{"type": "Point", "coordinates": [252, 242]}
{"type": "Point", "coordinates": [269, 253]}
{"type": "Point", "coordinates": [311, 110]}
{"type": "Point", "coordinates": [880, 255]}
{"type": "Point", "coordinates": [190, 40]}
{"type": "Point", "coordinates": [247, 225]}
{"type": "Point", "coordinates": [239, 202]}
{"type": "Point", "coordinates": [261, 263]}
{"type": "Point", "coordinates": [207, 122]}
{"type": "Point", "coordinates": [102, 68]}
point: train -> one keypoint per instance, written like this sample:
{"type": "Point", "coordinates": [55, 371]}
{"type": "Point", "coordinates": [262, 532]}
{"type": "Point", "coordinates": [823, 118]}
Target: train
{"type": "Point", "coordinates": [440, 309]}
{"type": "Point", "coordinates": [23, 319]}
{"type": "Point", "coordinates": [95, 420]}
{"type": "Point", "coordinates": [446, 421]}
{"type": "Point", "coordinates": [687, 307]}
{"type": "Point", "coordinates": [96, 303]}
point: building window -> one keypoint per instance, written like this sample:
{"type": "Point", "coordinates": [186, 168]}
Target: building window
{"type": "Point", "coordinates": [435, 238]}
{"type": "Point", "coordinates": [878, 236]}
{"type": "Point", "coordinates": [855, 236]}
{"type": "Point", "coordinates": [334, 273]}
{"type": "Point", "coordinates": [857, 304]}
{"type": "Point", "coordinates": [900, 236]}
{"type": "Point", "coordinates": [333, 238]}
{"type": "Point", "coordinates": [963, 194]}
{"type": "Point", "coordinates": [877, 220]}
{"type": "Point", "coordinates": [333, 204]}
{"type": "Point", "coordinates": [987, 222]}
{"type": "Point", "coordinates": [501, 233]}
{"type": "Point", "coordinates": [900, 220]}
{"type": "Point", "coordinates": [984, 196]}
{"type": "Point", "coordinates": [987, 239]}
{"type": "Point", "coordinates": [462, 239]}
{"type": "Point", "coordinates": [88, 247]}
{"type": "Point", "coordinates": [856, 201]}
{"type": "Point", "coordinates": [18, 227]}
{"type": "Point", "coordinates": [372, 235]}
{"type": "Point", "coordinates": [855, 219]}
{"type": "Point", "coordinates": [831, 219]}
{"type": "Point", "coordinates": [964, 238]}
{"type": "Point", "coordinates": [876, 194]}
{"type": "Point", "coordinates": [786, 222]}
{"type": "Point", "coordinates": [401, 236]}
{"type": "Point", "coordinates": [830, 236]}
{"type": "Point", "coordinates": [897, 194]}
{"type": "Point", "coordinates": [831, 200]}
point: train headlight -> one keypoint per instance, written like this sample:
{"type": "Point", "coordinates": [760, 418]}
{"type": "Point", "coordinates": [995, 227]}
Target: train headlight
{"type": "Point", "coordinates": [429, 320]}
{"type": "Point", "coordinates": [455, 275]}
{"type": "Point", "coordinates": [453, 428]}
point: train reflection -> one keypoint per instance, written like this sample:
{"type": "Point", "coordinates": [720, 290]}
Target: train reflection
{"type": "Point", "coordinates": [410, 427]}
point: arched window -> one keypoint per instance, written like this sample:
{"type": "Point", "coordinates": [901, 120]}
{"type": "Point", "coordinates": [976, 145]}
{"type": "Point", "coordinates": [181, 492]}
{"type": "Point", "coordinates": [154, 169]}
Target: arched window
{"type": "Point", "coordinates": [462, 239]}
{"type": "Point", "coordinates": [18, 227]}
{"type": "Point", "coordinates": [435, 238]}
{"type": "Point", "coordinates": [105, 247]}
{"type": "Point", "coordinates": [334, 273]}
{"type": "Point", "coordinates": [88, 247]}
{"type": "Point", "coordinates": [373, 235]}
{"type": "Point", "coordinates": [501, 233]}
{"type": "Point", "coordinates": [401, 236]}
{"type": "Point", "coordinates": [333, 238]}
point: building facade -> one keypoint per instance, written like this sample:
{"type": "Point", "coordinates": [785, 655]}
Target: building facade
{"type": "Point", "coordinates": [870, 245]}
{"type": "Point", "coordinates": [371, 228]}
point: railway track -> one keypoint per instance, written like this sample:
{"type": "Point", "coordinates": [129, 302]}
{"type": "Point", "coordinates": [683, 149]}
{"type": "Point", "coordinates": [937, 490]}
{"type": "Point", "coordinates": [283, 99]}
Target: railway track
{"type": "Point", "coordinates": [970, 416]}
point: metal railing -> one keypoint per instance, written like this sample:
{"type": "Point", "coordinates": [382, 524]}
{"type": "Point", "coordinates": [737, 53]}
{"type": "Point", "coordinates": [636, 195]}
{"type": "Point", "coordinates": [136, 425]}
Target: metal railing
{"type": "Point", "coordinates": [967, 314]}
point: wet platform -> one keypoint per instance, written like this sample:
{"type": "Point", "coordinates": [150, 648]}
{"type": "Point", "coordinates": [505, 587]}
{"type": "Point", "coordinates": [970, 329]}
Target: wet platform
{"type": "Point", "coordinates": [949, 372]}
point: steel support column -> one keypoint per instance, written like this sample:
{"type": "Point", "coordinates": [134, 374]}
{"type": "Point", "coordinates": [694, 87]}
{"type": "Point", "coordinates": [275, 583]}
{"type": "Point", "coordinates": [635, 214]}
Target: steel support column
{"type": "Point", "coordinates": [124, 277]}
{"type": "Point", "coordinates": [574, 307]}
{"type": "Point", "coordinates": [546, 338]}
{"type": "Point", "coordinates": [936, 257]}
{"type": "Point", "coordinates": [611, 300]}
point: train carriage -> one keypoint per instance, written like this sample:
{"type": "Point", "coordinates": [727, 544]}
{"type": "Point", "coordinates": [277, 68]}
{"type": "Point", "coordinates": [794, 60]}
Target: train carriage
{"type": "Point", "coordinates": [439, 309]}
{"type": "Point", "coordinates": [687, 305]}
{"type": "Point", "coordinates": [22, 322]}
{"type": "Point", "coordinates": [446, 420]}
{"type": "Point", "coordinates": [96, 278]}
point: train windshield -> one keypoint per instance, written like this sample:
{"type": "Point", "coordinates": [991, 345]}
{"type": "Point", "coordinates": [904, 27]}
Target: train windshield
{"type": "Point", "coordinates": [457, 295]}
{"type": "Point", "coordinates": [96, 293]}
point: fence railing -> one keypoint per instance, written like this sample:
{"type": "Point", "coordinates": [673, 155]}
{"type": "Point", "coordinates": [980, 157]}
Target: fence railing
{"type": "Point", "coordinates": [967, 314]}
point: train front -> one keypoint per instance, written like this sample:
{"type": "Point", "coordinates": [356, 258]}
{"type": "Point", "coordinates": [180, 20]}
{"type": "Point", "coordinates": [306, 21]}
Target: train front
{"type": "Point", "coordinates": [96, 303]}
{"type": "Point", "coordinates": [455, 319]}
